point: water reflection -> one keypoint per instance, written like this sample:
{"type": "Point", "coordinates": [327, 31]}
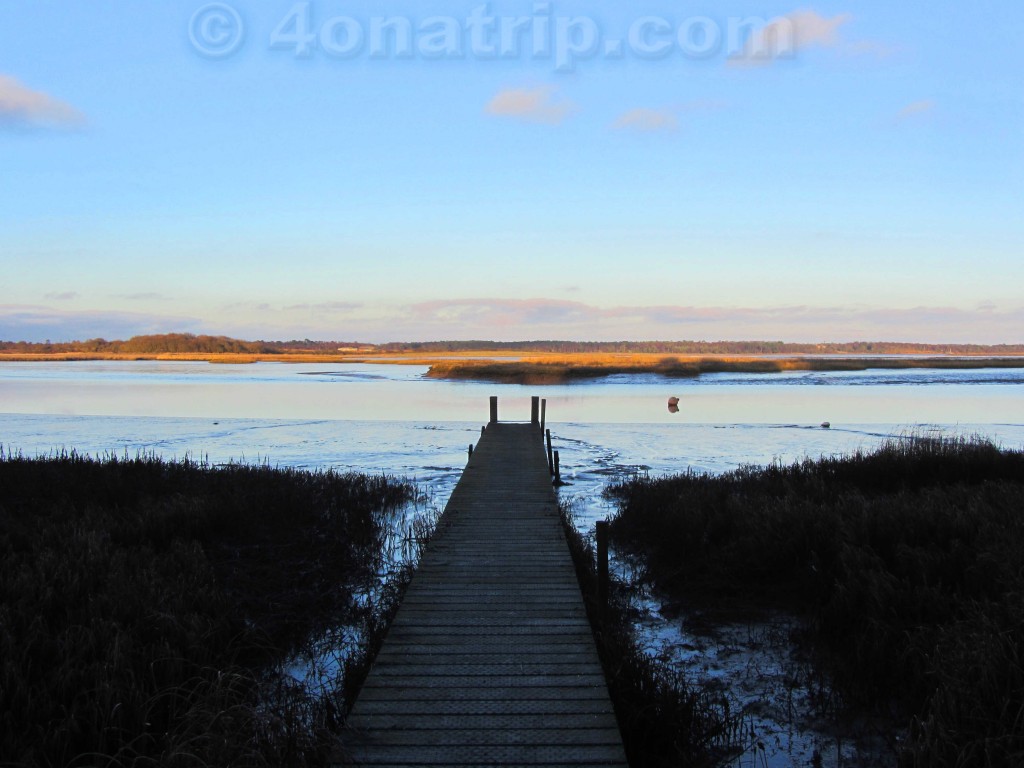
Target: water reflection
{"type": "Point", "coordinates": [402, 393]}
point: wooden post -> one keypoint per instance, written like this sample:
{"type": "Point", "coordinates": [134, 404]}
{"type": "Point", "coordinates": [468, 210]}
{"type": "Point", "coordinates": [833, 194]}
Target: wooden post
{"type": "Point", "coordinates": [602, 565]}
{"type": "Point", "coordinates": [558, 472]}
{"type": "Point", "coordinates": [470, 450]}
{"type": "Point", "coordinates": [543, 415]}
{"type": "Point", "coordinates": [482, 430]}
{"type": "Point", "coordinates": [494, 410]}
{"type": "Point", "coordinates": [535, 410]}
{"type": "Point", "coordinates": [551, 456]}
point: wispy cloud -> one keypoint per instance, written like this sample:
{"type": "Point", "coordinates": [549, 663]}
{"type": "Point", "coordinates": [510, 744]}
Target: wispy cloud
{"type": "Point", "coordinates": [325, 307]}
{"type": "Point", "coordinates": [64, 296]}
{"type": "Point", "coordinates": [248, 306]}
{"type": "Point", "coordinates": [143, 296]}
{"type": "Point", "coordinates": [915, 110]}
{"type": "Point", "coordinates": [519, 319]}
{"type": "Point", "coordinates": [648, 121]}
{"type": "Point", "coordinates": [790, 35]}
{"type": "Point", "coordinates": [510, 319]}
{"type": "Point", "coordinates": [503, 312]}
{"type": "Point", "coordinates": [535, 105]}
{"type": "Point", "coordinates": [34, 323]}
{"type": "Point", "coordinates": [662, 120]}
{"type": "Point", "coordinates": [21, 107]}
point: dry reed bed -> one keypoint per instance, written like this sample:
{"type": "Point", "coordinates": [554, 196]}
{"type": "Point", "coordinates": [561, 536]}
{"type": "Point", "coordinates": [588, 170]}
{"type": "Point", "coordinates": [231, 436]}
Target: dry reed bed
{"type": "Point", "coordinates": [144, 605]}
{"type": "Point", "coordinates": [565, 369]}
{"type": "Point", "coordinates": [909, 562]}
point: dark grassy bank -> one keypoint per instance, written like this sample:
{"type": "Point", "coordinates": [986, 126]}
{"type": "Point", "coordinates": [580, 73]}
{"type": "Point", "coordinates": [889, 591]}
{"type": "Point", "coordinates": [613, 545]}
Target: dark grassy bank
{"type": "Point", "coordinates": [664, 721]}
{"type": "Point", "coordinates": [584, 367]}
{"type": "Point", "coordinates": [144, 606]}
{"type": "Point", "coordinates": [909, 563]}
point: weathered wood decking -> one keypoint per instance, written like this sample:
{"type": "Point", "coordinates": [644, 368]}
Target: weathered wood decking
{"type": "Point", "coordinates": [490, 660]}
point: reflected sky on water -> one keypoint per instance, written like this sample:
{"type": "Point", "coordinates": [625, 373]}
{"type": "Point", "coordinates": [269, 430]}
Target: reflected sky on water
{"type": "Point", "coordinates": [403, 393]}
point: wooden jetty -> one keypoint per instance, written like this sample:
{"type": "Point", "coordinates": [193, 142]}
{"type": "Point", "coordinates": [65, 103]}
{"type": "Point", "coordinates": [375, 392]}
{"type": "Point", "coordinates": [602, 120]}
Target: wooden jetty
{"type": "Point", "coordinates": [490, 660]}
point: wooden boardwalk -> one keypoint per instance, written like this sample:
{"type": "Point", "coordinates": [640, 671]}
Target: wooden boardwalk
{"type": "Point", "coordinates": [490, 660]}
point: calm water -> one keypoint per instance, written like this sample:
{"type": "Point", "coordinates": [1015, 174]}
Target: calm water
{"type": "Point", "coordinates": [390, 418]}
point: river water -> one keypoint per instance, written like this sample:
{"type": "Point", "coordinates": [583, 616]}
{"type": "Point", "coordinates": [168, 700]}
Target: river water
{"type": "Point", "coordinates": [392, 419]}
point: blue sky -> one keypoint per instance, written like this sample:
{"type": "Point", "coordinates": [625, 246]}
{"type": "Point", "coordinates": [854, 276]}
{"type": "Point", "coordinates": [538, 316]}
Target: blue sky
{"type": "Point", "coordinates": [860, 177]}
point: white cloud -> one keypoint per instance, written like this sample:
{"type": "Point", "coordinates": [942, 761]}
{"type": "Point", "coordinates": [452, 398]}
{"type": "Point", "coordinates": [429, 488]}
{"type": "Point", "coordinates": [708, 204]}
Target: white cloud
{"type": "Point", "coordinates": [535, 105]}
{"type": "Point", "coordinates": [788, 36]}
{"type": "Point", "coordinates": [21, 107]}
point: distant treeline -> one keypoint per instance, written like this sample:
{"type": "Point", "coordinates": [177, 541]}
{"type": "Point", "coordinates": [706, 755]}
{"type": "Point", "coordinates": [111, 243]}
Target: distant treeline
{"type": "Point", "coordinates": [187, 343]}
{"type": "Point", "coordinates": [176, 343]}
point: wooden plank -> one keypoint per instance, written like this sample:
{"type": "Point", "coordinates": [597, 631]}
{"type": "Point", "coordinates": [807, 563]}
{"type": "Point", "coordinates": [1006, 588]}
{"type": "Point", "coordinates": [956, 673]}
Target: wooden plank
{"type": "Point", "coordinates": [509, 708]}
{"type": "Point", "coordinates": [544, 722]}
{"type": "Point", "coordinates": [489, 755]}
{"type": "Point", "coordinates": [480, 695]}
{"type": "Point", "coordinates": [496, 737]}
{"type": "Point", "coordinates": [490, 659]}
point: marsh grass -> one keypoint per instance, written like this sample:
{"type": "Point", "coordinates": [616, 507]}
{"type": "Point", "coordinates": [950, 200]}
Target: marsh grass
{"type": "Point", "coordinates": [908, 561]}
{"type": "Point", "coordinates": [663, 719]}
{"type": "Point", "coordinates": [569, 368]}
{"type": "Point", "coordinates": [145, 606]}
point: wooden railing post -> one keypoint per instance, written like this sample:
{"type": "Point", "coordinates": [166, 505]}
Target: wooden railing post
{"type": "Point", "coordinates": [558, 472]}
{"type": "Point", "coordinates": [535, 410]}
{"type": "Point", "coordinates": [602, 565]}
{"type": "Point", "coordinates": [551, 456]}
{"type": "Point", "coordinates": [494, 410]}
{"type": "Point", "coordinates": [543, 415]}
{"type": "Point", "coordinates": [471, 451]}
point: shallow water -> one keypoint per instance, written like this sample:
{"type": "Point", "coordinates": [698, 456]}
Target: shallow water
{"type": "Point", "coordinates": [391, 419]}
{"type": "Point", "coordinates": [402, 393]}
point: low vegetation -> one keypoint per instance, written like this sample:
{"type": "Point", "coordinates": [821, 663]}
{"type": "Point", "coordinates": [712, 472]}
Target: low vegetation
{"type": "Point", "coordinates": [146, 607]}
{"type": "Point", "coordinates": [178, 345]}
{"type": "Point", "coordinates": [566, 369]}
{"type": "Point", "coordinates": [665, 722]}
{"type": "Point", "coordinates": [907, 561]}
